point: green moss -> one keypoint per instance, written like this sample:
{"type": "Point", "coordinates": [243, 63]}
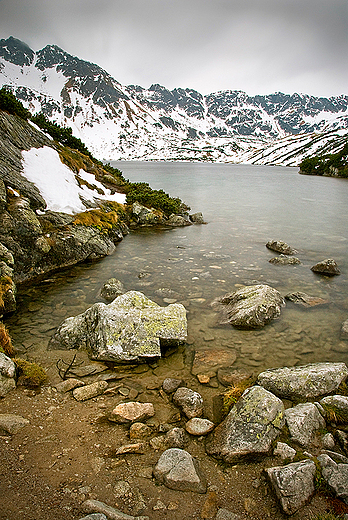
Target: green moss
{"type": "Point", "coordinates": [30, 374]}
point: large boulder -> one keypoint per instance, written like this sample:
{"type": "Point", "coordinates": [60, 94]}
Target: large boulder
{"type": "Point", "coordinates": [304, 382]}
{"type": "Point", "coordinates": [130, 329]}
{"type": "Point", "coordinates": [250, 428]}
{"type": "Point", "coordinates": [177, 469]}
{"type": "Point", "coordinates": [251, 307]}
{"type": "Point", "coordinates": [293, 484]}
{"type": "Point", "coordinates": [336, 406]}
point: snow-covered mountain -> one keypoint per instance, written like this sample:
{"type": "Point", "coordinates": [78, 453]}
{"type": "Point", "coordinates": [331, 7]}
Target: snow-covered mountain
{"type": "Point", "coordinates": [131, 122]}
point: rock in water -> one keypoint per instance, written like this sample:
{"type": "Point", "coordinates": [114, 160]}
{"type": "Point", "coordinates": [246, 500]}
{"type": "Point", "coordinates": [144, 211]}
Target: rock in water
{"type": "Point", "coordinates": [280, 247]}
{"type": "Point", "coordinates": [111, 289]}
{"type": "Point", "coordinates": [304, 382]}
{"type": "Point", "coordinates": [328, 267]}
{"type": "Point", "coordinates": [250, 428]}
{"type": "Point", "coordinates": [251, 307]}
{"type": "Point", "coordinates": [177, 469]}
{"type": "Point", "coordinates": [293, 484]}
{"type": "Point", "coordinates": [130, 329]}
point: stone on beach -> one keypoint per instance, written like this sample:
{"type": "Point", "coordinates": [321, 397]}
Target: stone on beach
{"type": "Point", "coordinates": [177, 469]}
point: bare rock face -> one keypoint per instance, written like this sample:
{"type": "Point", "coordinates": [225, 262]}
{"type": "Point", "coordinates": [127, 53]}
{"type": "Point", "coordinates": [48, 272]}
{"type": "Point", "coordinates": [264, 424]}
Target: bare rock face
{"type": "Point", "coordinates": [130, 329]}
{"type": "Point", "coordinates": [304, 382]}
{"type": "Point", "coordinates": [280, 247]}
{"type": "Point", "coordinates": [249, 429]}
{"type": "Point", "coordinates": [251, 307]}
{"type": "Point", "coordinates": [328, 267]}
{"type": "Point", "coordinates": [293, 484]}
{"type": "Point", "coordinates": [177, 469]}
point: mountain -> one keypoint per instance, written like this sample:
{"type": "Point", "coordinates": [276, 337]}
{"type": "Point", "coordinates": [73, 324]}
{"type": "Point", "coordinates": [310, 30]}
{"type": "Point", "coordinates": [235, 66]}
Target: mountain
{"type": "Point", "coordinates": [131, 122]}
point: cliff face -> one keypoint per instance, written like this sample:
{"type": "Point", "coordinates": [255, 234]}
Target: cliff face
{"type": "Point", "coordinates": [33, 240]}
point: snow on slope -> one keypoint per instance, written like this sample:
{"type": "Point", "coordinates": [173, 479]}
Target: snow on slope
{"type": "Point", "coordinates": [57, 183]}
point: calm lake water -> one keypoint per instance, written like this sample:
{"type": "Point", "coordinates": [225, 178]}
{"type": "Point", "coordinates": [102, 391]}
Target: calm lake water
{"type": "Point", "coordinates": [244, 206]}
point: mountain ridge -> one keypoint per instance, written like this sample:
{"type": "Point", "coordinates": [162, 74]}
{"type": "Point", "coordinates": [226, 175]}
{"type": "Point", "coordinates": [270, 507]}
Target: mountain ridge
{"type": "Point", "coordinates": [132, 122]}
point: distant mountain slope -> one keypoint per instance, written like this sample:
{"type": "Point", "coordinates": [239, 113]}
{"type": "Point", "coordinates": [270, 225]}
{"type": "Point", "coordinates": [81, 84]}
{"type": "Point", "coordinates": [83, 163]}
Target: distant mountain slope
{"type": "Point", "coordinates": [130, 122]}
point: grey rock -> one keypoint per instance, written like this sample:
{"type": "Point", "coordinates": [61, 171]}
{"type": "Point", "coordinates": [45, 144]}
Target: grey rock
{"type": "Point", "coordinates": [251, 307]}
{"type": "Point", "coordinates": [303, 421]}
{"type": "Point", "coordinates": [146, 216]}
{"type": "Point", "coordinates": [95, 516]}
{"type": "Point", "coordinates": [305, 300]}
{"type": "Point", "coordinates": [335, 475]}
{"type": "Point", "coordinates": [7, 374]}
{"type": "Point", "coordinates": [110, 512]}
{"type": "Point", "coordinates": [131, 412]}
{"type": "Point", "coordinates": [293, 484]}
{"type": "Point", "coordinates": [328, 267]}
{"type": "Point", "coordinates": [328, 441]}
{"type": "Point", "coordinates": [111, 289]}
{"type": "Point", "coordinates": [280, 247]}
{"type": "Point", "coordinates": [177, 469]}
{"type": "Point", "coordinates": [304, 382]}
{"type": "Point", "coordinates": [130, 329]}
{"type": "Point", "coordinates": [176, 438]}
{"type": "Point", "coordinates": [83, 393]}
{"type": "Point", "coordinates": [284, 451]}
{"type": "Point", "coordinates": [190, 402]}
{"type": "Point", "coordinates": [178, 221]}
{"type": "Point", "coordinates": [69, 384]}
{"type": "Point", "coordinates": [198, 426]}
{"type": "Point", "coordinates": [337, 457]}
{"type": "Point", "coordinates": [197, 218]}
{"type": "Point", "coordinates": [338, 405]}
{"type": "Point", "coordinates": [344, 330]}
{"type": "Point", "coordinates": [170, 384]}
{"type": "Point", "coordinates": [342, 438]}
{"type": "Point", "coordinates": [10, 424]}
{"type": "Point", "coordinates": [284, 260]}
{"type": "Point", "coordinates": [249, 429]}
{"type": "Point", "coordinates": [225, 514]}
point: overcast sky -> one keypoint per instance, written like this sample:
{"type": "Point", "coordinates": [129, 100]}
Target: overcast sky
{"type": "Point", "coordinates": [259, 46]}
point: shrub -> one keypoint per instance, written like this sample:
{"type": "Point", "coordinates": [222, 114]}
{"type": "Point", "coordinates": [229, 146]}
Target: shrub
{"type": "Point", "coordinates": [11, 104]}
{"type": "Point", "coordinates": [233, 393]}
{"type": "Point", "coordinates": [141, 192]}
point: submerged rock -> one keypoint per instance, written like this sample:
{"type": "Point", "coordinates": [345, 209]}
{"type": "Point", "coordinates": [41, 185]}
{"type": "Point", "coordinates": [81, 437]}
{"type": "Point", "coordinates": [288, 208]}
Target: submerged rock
{"type": "Point", "coordinates": [249, 429]}
{"type": "Point", "coordinates": [280, 247]}
{"type": "Point", "coordinates": [304, 382]}
{"type": "Point", "coordinates": [130, 329]}
{"type": "Point", "coordinates": [293, 484]}
{"type": "Point", "coordinates": [328, 267]}
{"type": "Point", "coordinates": [111, 289]}
{"type": "Point", "coordinates": [305, 300]}
{"type": "Point", "coordinates": [251, 307]}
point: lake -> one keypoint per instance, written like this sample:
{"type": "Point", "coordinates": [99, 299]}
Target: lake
{"type": "Point", "coordinates": [244, 206]}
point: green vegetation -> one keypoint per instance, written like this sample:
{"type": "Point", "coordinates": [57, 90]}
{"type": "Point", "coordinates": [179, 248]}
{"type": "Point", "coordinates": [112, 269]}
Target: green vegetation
{"type": "Point", "coordinates": [233, 393]}
{"type": "Point", "coordinates": [80, 157]}
{"type": "Point", "coordinates": [331, 164]}
{"type": "Point", "coordinates": [30, 374]}
{"type": "Point", "coordinates": [10, 103]}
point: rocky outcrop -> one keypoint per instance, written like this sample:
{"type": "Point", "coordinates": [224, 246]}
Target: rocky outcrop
{"type": "Point", "coordinates": [251, 307]}
{"type": "Point", "coordinates": [304, 382]}
{"type": "Point", "coordinates": [249, 429]}
{"type": "Point", "coordinates": [131, 329]}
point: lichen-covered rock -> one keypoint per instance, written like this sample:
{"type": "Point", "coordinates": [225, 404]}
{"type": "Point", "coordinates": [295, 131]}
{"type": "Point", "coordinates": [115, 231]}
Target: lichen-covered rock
{"type": "Point", "coordinates": [303, 420]}
{"type": "Point", "coordinates": [284, 451]}
{"type": "Point", "coordinates": [293, 484]}
{"type": "Point", "coordinates": [177, 469]}
{"type": "Point", "coordinates": [249, 429]}
{"type": "Point", "coordinates": [111, 289]}
{"type": "Point", "coordinates": [146, 216]}
{"type": "Point", "coordinates": [337, 405]}
{"type": "Point", "coordinates": [197, 218]}
{"type": "Point", "coordinates": [304, 382]}
{"type": "Point", "coordinates": [251, 307]}
{"type": "Point", "coordinates": [190, 402]}
{"type": "Point", "coordinates": [178, 221]}
{"type": "Point", "coordinates": [280, 247]}
{"type": "Point", "coordinates": [7, 375]}
{"type": "Point", "coordinates": [335, 475]}
{"type": "Point", "coordinates": [328, 267]}
{"type": "Point", "coordinates": [130, 329]}
{"type": "Point", "coordinates": [284, 260]}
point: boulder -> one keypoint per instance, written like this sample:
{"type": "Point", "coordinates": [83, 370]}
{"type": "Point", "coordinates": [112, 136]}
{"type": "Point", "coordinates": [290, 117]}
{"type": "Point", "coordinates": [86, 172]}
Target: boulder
{"type": "Point", "coordinates": [111, 289]}
{"type": "Point", "coordinates": [304, 382]}
{"type": "Point", "coordinates": [293, 484]}
{"type": "Point", "coordinates": [249, 429]}
{"type": "Point", "coordinates": [131, 412]}
{"type": "Point", "coordinates": [176, 438]}
{"type": "Point", "coordinates": [171, 384]}
{"type": "Point", "coordinates": [336, 408]}
{"type": "Point", "coordinates": [284, 451]}
{"type": "Point", "coordinates": [300, 298]}
{"type": "Point", "coordinates": [251, 307]}
{"type": "Point", "coordinates": [303, 421]}
{"type": "Point", "coordinates": [7, 374]}
{"type": "Point", "coordinates": [328, 267]}
{"type": "Point", "coordinates": [284, 260]}
{"type": "Point", "coordinates": [10, 423]}
{"type": "Point", "coordinates": [197, 218]}
{"type": "Point", "coordinates": [190, 402]}
{"type": "Point", "coordinates": [178, 221]}
{"type": "Point", "coordinates": [177, 469]}
{"type": "Point", "coordinates": [145, 216]}
{"type": "Point", "coordinates": [280, 247]}
{"type": "Point", "coordinates": [335, 475]}
{"type": "Point", "coordinates": [130, 329]}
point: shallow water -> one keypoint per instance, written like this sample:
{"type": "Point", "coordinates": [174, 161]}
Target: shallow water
{"type": "Point", "coordinates": [245, 206]}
